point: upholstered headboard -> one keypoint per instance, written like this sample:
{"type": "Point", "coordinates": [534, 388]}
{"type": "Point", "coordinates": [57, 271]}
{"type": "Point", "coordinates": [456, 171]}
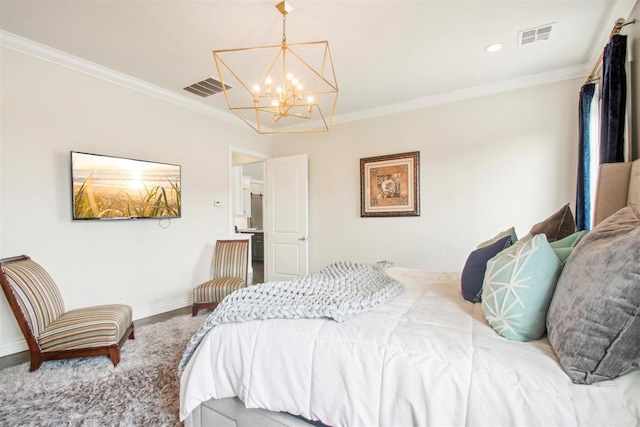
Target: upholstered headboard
{"type": "Point", "coordinates": [618, 185]}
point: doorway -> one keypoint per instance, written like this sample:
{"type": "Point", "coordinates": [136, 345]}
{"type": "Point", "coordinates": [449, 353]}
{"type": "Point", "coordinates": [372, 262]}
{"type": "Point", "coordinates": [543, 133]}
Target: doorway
{"type": "Point", "coordinates": [247, 194]}
{"type": "Point", "coordinates": [284, 237]}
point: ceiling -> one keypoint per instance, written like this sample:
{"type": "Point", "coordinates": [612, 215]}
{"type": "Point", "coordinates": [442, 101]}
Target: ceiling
{"type": "Point", "coordinates": [388, 55]}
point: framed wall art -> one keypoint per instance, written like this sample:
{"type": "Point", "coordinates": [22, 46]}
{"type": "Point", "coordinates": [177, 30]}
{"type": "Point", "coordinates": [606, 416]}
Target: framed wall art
{"type": "Point", "coordinates": [389, 185]}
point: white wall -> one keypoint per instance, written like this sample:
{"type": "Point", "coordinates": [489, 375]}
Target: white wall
{"type": "Point", "coordinates": [486, 164]}
{"type": "Point", "coordinates": [49, 110]}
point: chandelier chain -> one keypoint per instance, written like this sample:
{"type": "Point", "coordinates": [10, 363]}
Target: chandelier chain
{"type": "Point", "coordinates": [284, 29]}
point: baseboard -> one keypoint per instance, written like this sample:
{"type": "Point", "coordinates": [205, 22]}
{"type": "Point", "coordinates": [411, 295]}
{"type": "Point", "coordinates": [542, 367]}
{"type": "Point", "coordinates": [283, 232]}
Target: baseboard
{"type": "Point", "coordinates": [19, 345]}
{"type": "Point", "coordinates": [162, 308]}
{"type": "Point", "coordinates": [15, 346]}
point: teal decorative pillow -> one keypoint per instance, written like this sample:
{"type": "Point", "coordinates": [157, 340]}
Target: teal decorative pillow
{"type": "Point", "coordinates": [564, 247]}
{"type": "Point", "coordinates": [557, 226]}
{"type": "Point", "coordinates": [511, 232]}
{"type": "Point", "coordinates": [518, 287]}
{"type": "Point", "coordinates": [594, 317]}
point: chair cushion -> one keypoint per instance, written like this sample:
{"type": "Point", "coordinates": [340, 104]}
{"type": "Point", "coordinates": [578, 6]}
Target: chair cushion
{"type": "Point", "coordinates": [231, 259]}
{"type": "Point", "coordinates": [97, 326]}
{"type": "Point", "coordinates": [37, 294]}
{"type": "Point", "coordinates": [215, 290]}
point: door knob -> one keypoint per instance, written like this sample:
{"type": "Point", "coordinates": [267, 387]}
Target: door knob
{"type": "Point", "coordinates": [302, 238]}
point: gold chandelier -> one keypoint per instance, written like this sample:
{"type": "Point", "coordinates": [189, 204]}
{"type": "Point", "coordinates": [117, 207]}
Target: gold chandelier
{"type": "Point", "coordinates": [288, 88]}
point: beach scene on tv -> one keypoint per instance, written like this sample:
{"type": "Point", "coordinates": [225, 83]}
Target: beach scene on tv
{"type": "Point", "coordinates": [107, 187]}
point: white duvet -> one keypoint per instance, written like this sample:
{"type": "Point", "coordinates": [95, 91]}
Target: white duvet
{"type": "Point", "coordinates": [426, 358]}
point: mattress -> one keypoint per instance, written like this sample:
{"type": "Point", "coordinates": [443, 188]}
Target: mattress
{"type": "Point", "coordinates": [427, 357]}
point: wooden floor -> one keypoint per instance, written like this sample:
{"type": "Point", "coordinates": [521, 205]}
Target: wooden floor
{"type": "Point", "coordinates": [23, 356]}
{"type": "Point", "coordinates": [258, 272]}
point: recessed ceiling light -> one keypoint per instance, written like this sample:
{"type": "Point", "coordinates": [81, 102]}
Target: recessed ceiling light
{"type": "Point", "coordinates": [493, 47]}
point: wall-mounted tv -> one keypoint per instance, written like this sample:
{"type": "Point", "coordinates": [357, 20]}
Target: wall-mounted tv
{"type": "Point", "coordinates": [108, 187]}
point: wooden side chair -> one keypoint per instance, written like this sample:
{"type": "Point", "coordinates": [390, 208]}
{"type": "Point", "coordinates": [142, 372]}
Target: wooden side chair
{"type": "Point", "coordinates": [53, 333]}
{"type": "Point", "coordinates": [230, 267]}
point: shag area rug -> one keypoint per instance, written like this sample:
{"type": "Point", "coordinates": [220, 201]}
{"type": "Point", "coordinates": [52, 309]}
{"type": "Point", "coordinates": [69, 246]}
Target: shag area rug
{"type": "Point", "coordinates": [143, 390]}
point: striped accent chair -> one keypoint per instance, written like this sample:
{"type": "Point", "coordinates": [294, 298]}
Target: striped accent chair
{"type": "Point", "coordinates": [51, 332]}
{"type": "Point", "coordinates": [230, 266]}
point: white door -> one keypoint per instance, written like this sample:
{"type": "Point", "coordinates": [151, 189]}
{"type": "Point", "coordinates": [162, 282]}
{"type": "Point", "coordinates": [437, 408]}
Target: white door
{"type": "Point", "coordinates": [286, 243]}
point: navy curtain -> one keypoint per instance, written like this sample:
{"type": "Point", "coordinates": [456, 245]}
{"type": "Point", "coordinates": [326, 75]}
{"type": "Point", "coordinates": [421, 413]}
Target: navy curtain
{"type": "Point", "coordinates": [614, 98]}
{"type": "Point", "coordinates": [583, 197]}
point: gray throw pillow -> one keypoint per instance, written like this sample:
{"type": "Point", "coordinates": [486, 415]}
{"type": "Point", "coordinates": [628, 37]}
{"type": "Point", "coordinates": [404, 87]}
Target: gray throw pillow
{"type": "Point", "coordinates": [593, 321]}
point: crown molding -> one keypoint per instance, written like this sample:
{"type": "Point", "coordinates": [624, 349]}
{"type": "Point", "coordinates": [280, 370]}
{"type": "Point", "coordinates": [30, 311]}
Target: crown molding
{"type": "Point", "coordinates": [29, 47]}
{"type": "Point", "coordinates": [46, 53]}
{"type": "Point", "coordinates": [568, 73]}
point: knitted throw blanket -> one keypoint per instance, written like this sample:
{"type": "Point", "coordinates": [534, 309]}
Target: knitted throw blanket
{"type": "Point", "coordinates": [337, 292]}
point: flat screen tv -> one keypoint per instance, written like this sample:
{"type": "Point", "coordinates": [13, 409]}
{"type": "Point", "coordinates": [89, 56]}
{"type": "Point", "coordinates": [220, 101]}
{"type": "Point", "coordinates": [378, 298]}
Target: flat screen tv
{"type": "Point", "coordinates": [108, 187]}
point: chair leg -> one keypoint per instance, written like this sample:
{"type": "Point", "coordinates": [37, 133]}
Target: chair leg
{"type": "Point", "coordinates": [194, 310]}
{"type": "Point", "coordinates": [36, 361]}
{"type": "Point", "coordinates": [114, 355]}
{"type": "Point", "coordinates": [132, 334]}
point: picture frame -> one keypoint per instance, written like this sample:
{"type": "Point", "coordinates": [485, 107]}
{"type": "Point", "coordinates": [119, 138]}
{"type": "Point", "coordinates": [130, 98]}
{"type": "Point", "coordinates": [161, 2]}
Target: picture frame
{"type": "Point", "coordinates": [390, 185]}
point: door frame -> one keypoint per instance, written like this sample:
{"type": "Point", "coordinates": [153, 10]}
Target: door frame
{"type": "Point", "coordinates": [258, 156]}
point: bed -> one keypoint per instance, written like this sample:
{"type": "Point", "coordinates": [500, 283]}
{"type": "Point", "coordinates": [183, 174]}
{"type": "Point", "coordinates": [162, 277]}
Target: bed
{"type": "Point", "coordinates": [429, 357]}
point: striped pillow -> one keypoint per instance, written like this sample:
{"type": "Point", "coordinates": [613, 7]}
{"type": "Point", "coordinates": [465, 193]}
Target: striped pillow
{"type": "Point", "coordinates": [37, 294]}
{"type": "Point", "coordinates": [231, 259]}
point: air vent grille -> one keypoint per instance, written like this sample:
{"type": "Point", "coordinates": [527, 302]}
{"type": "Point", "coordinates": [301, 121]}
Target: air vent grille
{"type": "Point", "coordinates": [534, 35]}
{"type": "Point", "coordinates": [206, 87]}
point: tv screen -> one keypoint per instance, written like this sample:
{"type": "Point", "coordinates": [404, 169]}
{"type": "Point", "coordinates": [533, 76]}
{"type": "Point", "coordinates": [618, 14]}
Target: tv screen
{"type": "Point", "coordinates": [107, 187]}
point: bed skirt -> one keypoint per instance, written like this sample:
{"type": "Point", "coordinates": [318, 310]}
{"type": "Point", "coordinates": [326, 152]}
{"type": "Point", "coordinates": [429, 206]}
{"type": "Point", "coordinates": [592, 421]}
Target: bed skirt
{"type": "Point", "coordinates": [231, 412]}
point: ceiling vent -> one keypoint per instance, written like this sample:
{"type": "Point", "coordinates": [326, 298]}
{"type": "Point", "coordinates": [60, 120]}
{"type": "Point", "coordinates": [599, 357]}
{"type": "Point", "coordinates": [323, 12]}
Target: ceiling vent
{"type": "Point", "coordinates": [534, 35]}
{"type": "Point", "coordinates": [206, 87]}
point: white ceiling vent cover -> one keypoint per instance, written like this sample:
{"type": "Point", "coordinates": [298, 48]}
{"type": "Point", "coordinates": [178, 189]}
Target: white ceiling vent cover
{"type": "Point", "coordinates": [534, 35]}
{"type": "Point", "coordinates": [206, 87]}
